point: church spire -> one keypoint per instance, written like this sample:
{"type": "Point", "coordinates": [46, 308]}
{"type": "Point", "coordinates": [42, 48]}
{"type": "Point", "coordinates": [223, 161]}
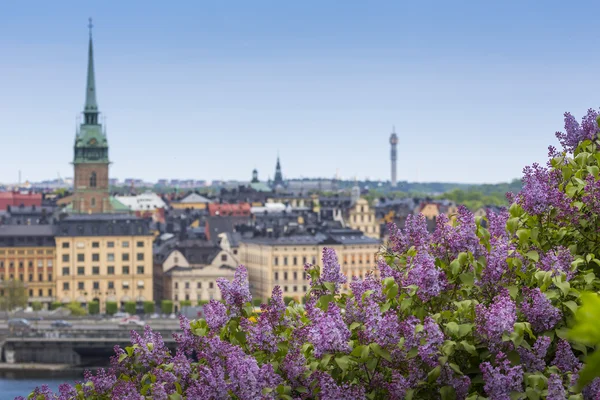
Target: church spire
{"type": "Point", "coordinates": [90, 110]}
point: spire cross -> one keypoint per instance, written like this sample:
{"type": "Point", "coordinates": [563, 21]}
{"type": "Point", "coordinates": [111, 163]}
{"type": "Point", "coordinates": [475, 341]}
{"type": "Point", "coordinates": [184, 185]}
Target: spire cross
{"type": "Point", "coordinates": [90, 26]}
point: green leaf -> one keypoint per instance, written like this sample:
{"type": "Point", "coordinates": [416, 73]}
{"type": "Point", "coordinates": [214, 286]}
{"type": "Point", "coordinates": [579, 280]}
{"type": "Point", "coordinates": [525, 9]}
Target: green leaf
{"type": "Point", "coordinates": [523, 235]}
{"type": "Point", "coordinates": [447, 393]}
{"type": "Point", "coordinates": [590, 370]}
{"type": "Point", "coordinates": [533, 255]}
{"type": "Point", "coordinates": [358, 350]}
{"type": "Point", "coordinates": [469, 347]}
{"type": "Point", "coordinates": [455, 267]}
{"type": "Point", "coordinates": [564, 286]}
{"type": "Point", "coordinates": [452, 328]}
{"type": "Point", "coordinates": [532, 394]}
{"type": "Point", "coordinates": [587, 328]}
{"type": "Point", "coordinates": [325, 360]}
{"type": "Point", "coordinates": [434, 374]}
{"type": "Point", "coordinates": [464, 329]}
{"type": "Point", "coordinates": [463, 258]}
{"type": "Point", "coordinates": [383, 353]}
{"type": "Point", "coordinates": [512, 225]}
{"type": "Point", "coordinates": [122, 357]}
{"type": "Point", "coordinates": [175, 396]}
{"type": "Point", "coordinates": [343, 362]}
{"type": "Point", "coordinates": [354, 325]}
{"type": "Point", "coordinates": [571, 305]}
{"type": "Point", "coordinates": [468, 278]}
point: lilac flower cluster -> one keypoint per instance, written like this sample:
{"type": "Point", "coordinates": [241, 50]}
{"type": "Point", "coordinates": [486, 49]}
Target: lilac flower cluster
{"type": "Point", "coordinates": [215, 314]}
{"type": "Point", "coordinates": [556, 389]}
{"type": "Point", "coordinates": [497, 271]}
{"type": "Point", "coordinates": [496, 319]}
{"type": "Point", "coordinates": [591, 198]}
{"type": "Point", "coordinates": [533, 360]}
{"type": "Point", "coordinates": [151, 350]}
{"type": "Point", "coordinates": [460, 383]}
{"type": "Point", "coordinates": [497, 224]}
{"type": "Point", "coordinates": [450, 240]}
{"type": "Point", "coordinates": [431, 339]}
{"type": "Point", "coordinates": [538, 310]}
{"type": "Point", "coordinates": [503, 379]}
{"type": "Point", "coordinates": [237, 292]}
{"type": "Point", "coordinates": [430, 279]}
{"type": "Point", "coordinates": [330, 390]}
{"type": "Point", "coordinates": [415, 234]}
{"type": "Point", "coordinates": [328, 332]}
{"type": "Point", "coordinates": [331, 268]}
{"type": "Point", "coordinates": [557, 260]}
{"type": "Point", "coordinates": [564, 358]}
{"type": "Point", "coordinates": [574, 133]}
{"type": "Point", "coordinates": [541, 192]}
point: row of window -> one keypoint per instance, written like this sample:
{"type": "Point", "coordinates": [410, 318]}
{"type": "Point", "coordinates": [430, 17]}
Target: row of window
{"type": "Point", "coordinates": [294, 288]}
{"type": "Point", "coordinates": [362, 219]}
{"type": "Point", "coordinates": [285, 275]}
{"type": "Point", "coordinates": [30, 277]}
{"type": "Point", "coordinates": [96, 245]}
{"type": "Point", "coordinates": [96, 285]}
{"type": "Point", "coordinates": [40, 264]}
{"type": "Point", "coordinates": [40, 292]}
{"type": "Point", "coordinates": [294, 260]}
{"type": "Point", "coordinates": [110, 270]}
{"type": "Point", "coordinates": [187, 297]}
{"type": "Point", "coordinates": [49, 251]}
{"type": "Point", "coordinates": [96, 257]}
{"type": "Point", "coordinates": [211, 285]}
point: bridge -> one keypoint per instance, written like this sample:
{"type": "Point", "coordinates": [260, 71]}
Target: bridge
{"type": "Point", "coordinates": [72, 347]}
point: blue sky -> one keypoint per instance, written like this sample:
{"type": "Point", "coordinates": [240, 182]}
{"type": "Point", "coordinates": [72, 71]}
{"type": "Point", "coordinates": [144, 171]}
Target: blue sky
{"type": "Point", "coordinates": [211, 90]}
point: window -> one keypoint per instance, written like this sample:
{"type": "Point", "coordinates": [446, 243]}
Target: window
{"type": "Point", "coordinates": [111, 285]}
{"type": "Point", "coordinates": [93, 179]}
{"type": "Point", "coordinates": [304, 288]}
{"type": "Point", "coordinates": [30, 277]}
{"type": "Point", "coordinates": [295, 275]}
{"type": "Point", "coordinates": [276, 276]}
{"type": "Point", "coordinates": [140, 256]}
{"type": "Point", "coordinates": [295, 260]}
{"type": "Point", "coordinates": [304, 260]}
{"type": "Point", "coordinates": [50, 292]}
{"type": "Point", "coordinates": [40, 277]}
{"type": "Point", "coordinates": [20, 264]}
{"type": "Point", "coordinates": [80, 271]}
{"type": "Point", "coordinates": [49, 277]}
{"type": "Point", "coordinates": [285, 288]}
{"type": "Point", "coordinates": [65, 285]}
{"type": "Point", "coordinates": [65, 271]}
{"type": "Point", "coordinates": [187, 297]}
{"type": "Point", "coordinates": [30, 292]}
{"type": "Point", "coordinates": [125, 244]}
{"type": "Point", "coordinates": [110, 245]}
{"type": "Point", "coordinates": [295, 288]}
{"type": "Point", "coordinates": [80, 285]}
{"type": "Point", "coordinates": [110, 257]}
{"type": "Point", "coordinates": [199, 285]}
{"type": "Point", "coordinates": [276, 261]}
{"type": "Point", "coordinates": [95, 270]}
{"type": "Point", "coordinates": [125, 270]}
{"type": "Point", "coordinates": [126, 285]}
{"type": "Point", "coordinates": [21, 277]}
{"type": "Point", "coordinates": [11, 264]}
{"type": "Point", "coordinates": [139, 244]}
{"type": "Point", "coordinates": [93, 204]}
{"type": "Point", "coordinates": [110, 270]}
{"type": "Point", "coordinates": [95, 245]}
{"type": "Point", "coordinates": [50, 263]}
{"type": "Point", "coordinates": [40, 292]}
{"type": "Point", "coordinates": [211, 285]}
{"type": "Point", "coordinates": [176, 297]}
{"type": "Point", "coordinates": [80, 257]}
{"type": "Point", "coordinates": [40, 264]}
{"type": "Point", "coordinates": [176, 285]}
{"type": "Point", "coordinates": [187, 285]}
{"type": "Point", "coordinates": [235, 251]}
{"type": "Point", "coordinates": [285, 261]}
{"type": "Point", "coordinates": [140, 284]}
{"type": "Point", "coordinates": [140, 269]}
{"type": "Point", "coordinates": [224, 257]}
{"type": "Point", "coordinates": [96, 285]}
{"type": "Point", "coordinates": [95, 257]}
{"type": "Point", "coordinates": [65, 245]}
{"type": "Point", "coordinates": [30, 264]}
{"type": "Point", "coordinates": [285, 276]}
{"type": "Point", "coordinates": [125, 257]}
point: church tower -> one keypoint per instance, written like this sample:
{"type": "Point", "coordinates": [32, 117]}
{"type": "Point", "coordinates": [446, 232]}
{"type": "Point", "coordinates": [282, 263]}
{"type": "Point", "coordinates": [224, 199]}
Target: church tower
{"type": "Point", "coordinates": [90, 159]}
{"type": "Point", "coordinates": [278, 180]}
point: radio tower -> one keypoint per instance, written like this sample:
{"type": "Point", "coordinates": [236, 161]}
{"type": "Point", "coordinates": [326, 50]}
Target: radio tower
{"type": "Point", "coordinates": [393, 144]}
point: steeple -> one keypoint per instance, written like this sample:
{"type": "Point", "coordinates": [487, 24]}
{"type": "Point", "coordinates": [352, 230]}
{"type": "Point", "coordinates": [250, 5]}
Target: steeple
{"type": "Point", "coordinates": [90, 110]}
{"type": "Point", "coordinates": [278, 180]}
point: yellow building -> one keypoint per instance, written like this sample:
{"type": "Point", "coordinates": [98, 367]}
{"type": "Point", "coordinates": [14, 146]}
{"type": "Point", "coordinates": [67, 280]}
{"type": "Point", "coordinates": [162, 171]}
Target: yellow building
{"type": "Point", "coordinates": [27, 255]}
{"type": "Point", "coordinates": [105, 258]}
{"type": "Point", "coordinates": [280, 261]}
{"type": "Point", "coordinates": [192, 201]}
{"type": "Point", "coordinates": [362, 217]}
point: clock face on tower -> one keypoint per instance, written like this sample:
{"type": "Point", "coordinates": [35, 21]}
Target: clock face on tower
{"type": "Point", "coordinates": [92, 142]}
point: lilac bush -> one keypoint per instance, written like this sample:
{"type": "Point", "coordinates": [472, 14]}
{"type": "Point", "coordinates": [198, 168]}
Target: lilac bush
{"type": "Point", "coordinates": [480, 308]}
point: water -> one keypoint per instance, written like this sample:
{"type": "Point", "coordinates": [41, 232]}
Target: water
{"type": "Point", "coordinates": [21, 383]}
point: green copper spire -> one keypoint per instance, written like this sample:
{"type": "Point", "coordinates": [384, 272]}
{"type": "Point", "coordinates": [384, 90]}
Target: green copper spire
{"type": "Point", "coordinates": [90, 110]}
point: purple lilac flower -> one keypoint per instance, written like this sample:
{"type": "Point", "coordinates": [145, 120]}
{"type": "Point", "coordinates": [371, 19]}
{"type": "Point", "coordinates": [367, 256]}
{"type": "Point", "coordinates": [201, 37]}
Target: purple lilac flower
{"type": "Point", "coordinates": [388, 332]}
{"type": "Point", "coordinates": [44, 390]}
{"type": "Point", "coordinates": [260, 335]}
{"type": "Point", "coordinates": [423, 273]}
{"type": "Point", "coordinates": [503, 379]}
{"type": "Point", "coordinates": [557, 260]}
{"type": "Point", "coordinates": [415, 234]}
{"type": "Point", "coordinates": [541, 192]}
{"type": "Point", "coordinates": [330, 390]}
{"type": "Point", "coordinates": [328, 332]}
{"type": "Point", "coordinates": [556, 389]}
{"type": "Point", "coordinates": [407, 330]}
{"type": "Point", "coordinates": [103, 381]}
{"type": "Point", "coordinates": [215, 314]}
{"type": "Point", "coordinates": [237, 292]}
{"type": "Point", "coordinates": [152, 349]}
{"type": "Point", "coordinates": [591, 199]}
{"type": "Point", "coordinates": [496, 319]}
{"type": "Point", "coordinates": [533, 360]}
{"type": "Point", "coordinates": [211, 384]}
{"type": "Point", "coordinates": [460, 383]}
{"type": "Point", "coordinates": [539, 311]}
{"type": "Point", "coordinates": [433, 339]}
{"type": "Point", "coordinates": [385, 271]}
{"type": "Point", "coordinates": [496, 269]}
{"type": "Point", "coordinates": [398, 386]}
{"type": "Point", "coordinates": [275, 310]}
{"type": "Point", "coordinates": [564, 359]}
{"type": "Point", "coordinates": [574, 133]}
{"type": "Point", "coordinates": [158, 391]}
{"type": "Point", "coordinates": [294, 365]}
{"type": "Point", "coordinates": [67, 392]}
{"type": "Point", "coordinates": [370, 282]}
{"type": "Point", "coordinates": [331, 271]}
{"type": "Point", "coordinates": [497, 224]}
{"type": "Point", "coordinates": [451, 240]}
{"type": "Point", "coordinates": [125, 390]}
{"type": "Point", "coordinates": [186, 340]}
{"type": "Point", "coordinates": [592, 391]}
{"type": "Point", "coordinates": [181, 365]}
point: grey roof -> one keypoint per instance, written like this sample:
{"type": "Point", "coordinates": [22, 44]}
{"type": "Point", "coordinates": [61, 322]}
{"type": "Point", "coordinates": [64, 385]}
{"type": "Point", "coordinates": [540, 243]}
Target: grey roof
{"type": "Point", "coordinates": [178, 268]}
{"type": "Point", "coordinates": [195, 198]}
{"type": "Point", "coordinates": [347, 237]}
{"type": "Point", "coordinates": [103, 225]}
{"type": "Point", "coordinates": [26, 230]}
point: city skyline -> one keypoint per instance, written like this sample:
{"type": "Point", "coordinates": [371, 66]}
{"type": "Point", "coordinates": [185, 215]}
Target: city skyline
{"type": "Point", "coordinates": [220, 91]}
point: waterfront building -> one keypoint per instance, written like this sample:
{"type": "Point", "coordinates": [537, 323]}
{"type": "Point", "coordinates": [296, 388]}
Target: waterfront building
{"type": "Point", "coordinates": [192, 201]}
{"type": "Point", "coordinates": [27, 254]}
{"type": "Point", "coordinates": [104, 258]}
{"type": "Point", "coordinates": [362, 217]}
{"type": "Point", "coordinates": [280, 260]}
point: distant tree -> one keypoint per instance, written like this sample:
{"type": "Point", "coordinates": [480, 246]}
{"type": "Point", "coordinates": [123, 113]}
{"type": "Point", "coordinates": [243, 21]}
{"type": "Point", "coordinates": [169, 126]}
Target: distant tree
{"type": "Point", "coordinates": [36, 306]}
{"type": "Point", "coordinates": [111, 307]}
{"type": "Point", "coordinates": [15, 296]}
{"type": "Point", "coordinates": [55, 304]}
{"type": "Point", "coordinates": [185, 303]}
{"type": "Point", "coordinates": [166, 306]}
{"type": "Point", "coordinates": [130, 307]}
{"type": "Point", "coordinates": [76, 309]}
{"type": "Point", "coordinates": [256, 302]}
{"type": "Point", "coordinates": [93, 307]}
{"type": "Point", "coordinates": [202, 302]}
{"type": "Point", "coordinates": [287, 300]}
{"type": "Point", "coordinates": [148, 307]}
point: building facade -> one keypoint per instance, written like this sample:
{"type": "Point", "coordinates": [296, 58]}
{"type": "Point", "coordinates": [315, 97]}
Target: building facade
{"type": "Point", "coordinates": [104, 258]}
{"type": "Point", "coordinates": [280, 261]}
{"type": "Point", "coordinates": [90, 159]}
{"type": "Point", "coordinates": [362, 217]}
{"type": "Point", "coordinates": [27, 254]}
